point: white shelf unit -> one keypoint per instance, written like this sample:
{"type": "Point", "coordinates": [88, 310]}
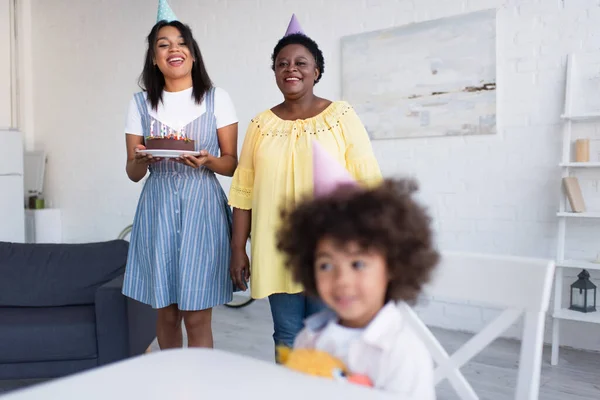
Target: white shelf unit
{"type": "Point", "coordinates": [564, 215]}
{"type": "Point", "coordinates": [581, 117]}
{"type": "Point", "coordinates": [581, 164]}
{"type": "Point", "coordinates": [588, 214]}
{"type": "Point", "coordinates": [578, 264]}
{"type": "Point", "coordinates": [577, 316]}
{"type": "Point", "coordinates": [43, 226]}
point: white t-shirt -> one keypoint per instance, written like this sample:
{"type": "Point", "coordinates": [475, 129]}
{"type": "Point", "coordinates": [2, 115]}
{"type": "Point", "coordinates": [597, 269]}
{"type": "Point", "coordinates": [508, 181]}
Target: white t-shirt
{"type": "Point", "coordinates": [389, 350]}
{"type": "Point", "coordinates": [336, 339]}
{"type": "Point", "coordinates": [179, 109]}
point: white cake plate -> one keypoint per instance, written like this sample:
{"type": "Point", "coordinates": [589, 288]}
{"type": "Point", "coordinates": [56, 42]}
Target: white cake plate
{"type": "Point", "coordinates": [168, 153]}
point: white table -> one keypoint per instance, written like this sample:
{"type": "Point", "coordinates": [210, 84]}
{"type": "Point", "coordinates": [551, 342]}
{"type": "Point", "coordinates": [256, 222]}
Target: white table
{"type": "Point", "coordinates": [194, 374]}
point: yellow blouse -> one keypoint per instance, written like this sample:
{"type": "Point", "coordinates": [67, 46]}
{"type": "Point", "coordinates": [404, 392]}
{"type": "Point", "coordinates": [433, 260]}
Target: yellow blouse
{"type": "Point", "coordinates": [275, 170]}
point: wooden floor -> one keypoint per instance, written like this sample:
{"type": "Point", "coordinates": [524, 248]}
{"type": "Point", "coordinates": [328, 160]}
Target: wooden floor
{"type": "Point", "coordinates": [493, 373]}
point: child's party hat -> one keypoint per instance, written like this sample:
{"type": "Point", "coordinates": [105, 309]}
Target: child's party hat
{"type": "Point", "coordinates": [328, 173]}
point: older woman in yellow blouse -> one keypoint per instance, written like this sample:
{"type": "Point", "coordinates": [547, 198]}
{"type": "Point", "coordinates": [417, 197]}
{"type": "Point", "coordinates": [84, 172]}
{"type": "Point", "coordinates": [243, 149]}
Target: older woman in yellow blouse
{"type": "Point", "coordinates": [275, 171]}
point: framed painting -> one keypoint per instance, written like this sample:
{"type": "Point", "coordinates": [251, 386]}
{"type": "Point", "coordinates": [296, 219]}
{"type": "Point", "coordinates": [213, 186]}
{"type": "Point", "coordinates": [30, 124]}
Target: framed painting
{"type": "Point", "coordinates": [434, 78]}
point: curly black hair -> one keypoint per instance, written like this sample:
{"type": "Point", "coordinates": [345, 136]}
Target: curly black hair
{"type": "Point", "coordinates": [301, 39]}
{"type": "Point", "coordinates": [385, 219]}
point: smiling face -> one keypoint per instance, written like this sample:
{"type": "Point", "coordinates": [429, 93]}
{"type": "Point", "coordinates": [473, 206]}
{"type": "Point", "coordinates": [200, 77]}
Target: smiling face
{"type": "Point", "coordinates": [172, 55]}
{"type": "Point", "coordinates": [295, 71]}
{"type": "Point", "coordinates": [351, 280]}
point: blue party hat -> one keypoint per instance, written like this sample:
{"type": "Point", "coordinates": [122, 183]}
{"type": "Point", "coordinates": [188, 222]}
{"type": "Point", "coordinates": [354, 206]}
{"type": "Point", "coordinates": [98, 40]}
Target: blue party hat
{"type": "Point", "coordinates": [164, 12]}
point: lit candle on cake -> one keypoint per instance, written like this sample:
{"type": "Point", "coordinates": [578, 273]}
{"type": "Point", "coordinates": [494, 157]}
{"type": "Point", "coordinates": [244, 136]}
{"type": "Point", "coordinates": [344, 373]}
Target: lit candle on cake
{"type": "Point", "coordinates": [152, 128]}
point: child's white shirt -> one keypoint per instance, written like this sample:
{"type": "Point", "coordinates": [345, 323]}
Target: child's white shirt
{"type": "Point", "coordinates": [336, 339]}
{"type": "Point", "coordinates": [387, 350]}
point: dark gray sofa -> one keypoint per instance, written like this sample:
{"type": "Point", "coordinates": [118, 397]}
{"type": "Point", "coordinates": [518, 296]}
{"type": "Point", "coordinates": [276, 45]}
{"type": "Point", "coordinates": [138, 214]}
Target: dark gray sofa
{"type": "Point", "coordinates": [62, 311]}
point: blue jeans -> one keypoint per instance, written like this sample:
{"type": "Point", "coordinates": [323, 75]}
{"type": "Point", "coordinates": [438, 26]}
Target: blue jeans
{"type": "Point", "coordinates": [289, 312]}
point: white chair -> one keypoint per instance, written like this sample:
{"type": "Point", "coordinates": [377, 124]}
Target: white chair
{"type": "Point", "coordinates": [520, 286]}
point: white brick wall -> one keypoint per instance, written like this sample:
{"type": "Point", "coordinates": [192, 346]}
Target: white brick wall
{"type": "Point", "coordinates": [488, 194]}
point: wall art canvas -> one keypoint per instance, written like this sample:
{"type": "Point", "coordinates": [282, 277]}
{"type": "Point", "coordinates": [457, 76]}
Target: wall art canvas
{"type": "Point", "coordinates": [433, 78]}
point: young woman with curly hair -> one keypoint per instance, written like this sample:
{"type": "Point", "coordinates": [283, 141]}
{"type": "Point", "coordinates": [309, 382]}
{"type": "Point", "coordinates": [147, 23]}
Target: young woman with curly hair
{"type": "Point", "coordinates": [365, 253]}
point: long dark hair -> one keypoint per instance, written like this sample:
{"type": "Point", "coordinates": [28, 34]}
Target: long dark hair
{"type": "Point", "coordinates": [152, 80]}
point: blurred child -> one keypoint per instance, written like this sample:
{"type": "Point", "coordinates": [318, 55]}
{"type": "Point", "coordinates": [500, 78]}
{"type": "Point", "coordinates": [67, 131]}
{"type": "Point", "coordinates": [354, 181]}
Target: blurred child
{"type": "Point", "coordinates": [365, 253]}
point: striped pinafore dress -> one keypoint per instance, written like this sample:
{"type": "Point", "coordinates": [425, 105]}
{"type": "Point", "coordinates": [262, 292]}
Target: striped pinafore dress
{"type": "Point", "coordinates": [180, 242]}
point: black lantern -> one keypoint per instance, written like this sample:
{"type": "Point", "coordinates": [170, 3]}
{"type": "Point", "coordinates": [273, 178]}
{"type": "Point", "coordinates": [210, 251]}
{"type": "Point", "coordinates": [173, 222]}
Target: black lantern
{"type": "Point", "coordinates": [583, 294]}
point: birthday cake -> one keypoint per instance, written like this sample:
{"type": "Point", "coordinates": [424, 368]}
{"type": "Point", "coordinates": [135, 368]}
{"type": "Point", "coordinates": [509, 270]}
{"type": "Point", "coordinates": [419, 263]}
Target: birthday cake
{"type": "Point", "coordinates": [169, 143]}
{"type": "Point", "coordinates": [169, 140]}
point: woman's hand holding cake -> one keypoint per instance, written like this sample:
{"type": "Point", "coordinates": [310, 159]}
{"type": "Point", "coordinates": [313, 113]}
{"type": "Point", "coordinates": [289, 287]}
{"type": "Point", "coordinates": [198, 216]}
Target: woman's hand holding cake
{"type": "Point", "coordinates": [143, 158]}
{"type": "Point", "coordinates": [194, 161]}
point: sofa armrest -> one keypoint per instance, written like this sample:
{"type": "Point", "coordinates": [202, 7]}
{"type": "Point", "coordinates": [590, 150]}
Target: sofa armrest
{"type": "Point", "coordinates": [112, 329]}
{"type": "Point", "coordinates": [124, 327]}
{"type": "Point", "coordinates": [142, 326]}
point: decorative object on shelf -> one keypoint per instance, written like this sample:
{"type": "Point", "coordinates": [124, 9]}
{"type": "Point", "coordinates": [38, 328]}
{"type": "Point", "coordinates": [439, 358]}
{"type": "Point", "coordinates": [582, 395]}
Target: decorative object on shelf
{"type": "Point", "coordinates": [36, 201]}
{"type": "Point", "coordinates": [573, 190]}
{"type": "Point", "coordinates": [583, 294]}
{"type": "Point", "coordinates": [582, 150]}
{"type": "Point", "coordinates": [34, 165]}
{"type": "Point", "coordinates": [449, 89]}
